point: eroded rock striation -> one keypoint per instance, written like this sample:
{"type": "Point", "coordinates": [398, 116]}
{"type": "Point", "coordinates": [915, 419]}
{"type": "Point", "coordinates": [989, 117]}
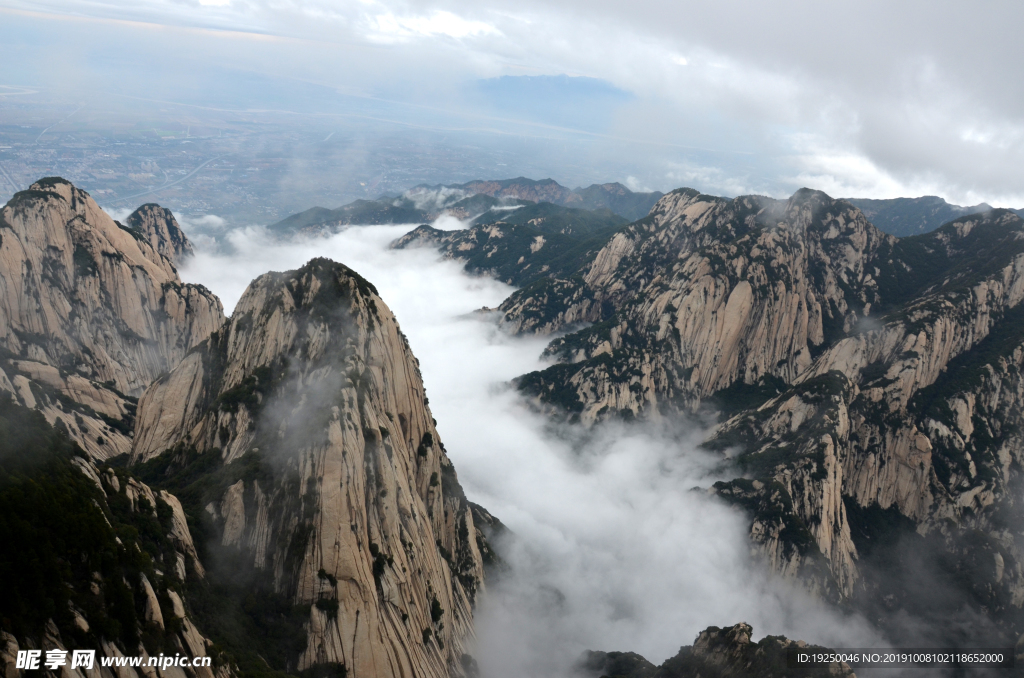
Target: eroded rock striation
{"type": "Point", "coordinates": [321, 474]}
{"type": "Point", "coordinates": [868, 384]}
{"type": "Point", "coordinates": [159, 227]}
{"type": "Point", "coordinates": [92, 311]}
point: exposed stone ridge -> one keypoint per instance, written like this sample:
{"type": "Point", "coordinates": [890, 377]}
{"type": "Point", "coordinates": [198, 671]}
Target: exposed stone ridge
{"type": "Point", "coordinates": [705, 292]}
{"type": "Point", "coordinates": [90, 313]}
{"type": "Point", "coordinates": [827, 337]}
{"type": "Point", "coordinates": [702, 293]}
{"type": "Point", "coordinates": [516, 254]}
{"type": "Point", "coordinates": [161, 229]}
{"type": "Point", "coordinates": [852, 427]}
{"type": "Point", "coordinates": [357, 512]}
{"type": "Point", "coordinates": [948, 459]}
{"type": "Point", "coordinates": [725, 653]}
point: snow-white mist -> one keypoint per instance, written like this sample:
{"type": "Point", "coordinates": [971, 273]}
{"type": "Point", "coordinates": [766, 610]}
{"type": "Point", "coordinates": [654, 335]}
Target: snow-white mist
{"type": "Point", "coordinates": [614, 548]}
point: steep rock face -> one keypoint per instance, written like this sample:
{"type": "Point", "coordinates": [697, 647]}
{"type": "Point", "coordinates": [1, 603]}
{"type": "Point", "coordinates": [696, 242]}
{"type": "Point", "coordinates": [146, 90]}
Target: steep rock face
{"type": "Point", "coordinates": [159, 227]}
{"type": "Point", "coordinates": [855, 423]}
{"type": "Point", "coordinates": [703, 293]}
{"type": "Point", "coordinates": [821, 339]}
{"type": "Point", "coordinates": [333, 485]}
{"type": "Point", "coordinates": [90, 313]}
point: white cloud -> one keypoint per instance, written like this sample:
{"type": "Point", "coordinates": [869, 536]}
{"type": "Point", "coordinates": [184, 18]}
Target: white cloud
{"type": "Point", "coordinates": [925, 98]}
{"type": "Point", "coordinates": [389, 27]}
{"type": "Point", "coordinates": [614, 550]}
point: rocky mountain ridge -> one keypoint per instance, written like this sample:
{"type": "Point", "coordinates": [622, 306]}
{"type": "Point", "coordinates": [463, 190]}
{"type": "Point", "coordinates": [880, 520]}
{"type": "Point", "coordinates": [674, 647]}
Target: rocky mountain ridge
{"type": "Point", "coordinates": [295, 509]}
{"type": "Point", "coordinates": [334, 485]}
{"type": "Point", "coordinates": [287, 491]}
{"type": "Point", "coordinates": [92, 311]}
{"type": "Point", "coordinates": [477, 202]}
{"type": "Point", "coordinates": [157, 225]}
{"type": "Point", "coordinates": [533, 242]}
{"type": "Point", "coordinates": [821, 339]}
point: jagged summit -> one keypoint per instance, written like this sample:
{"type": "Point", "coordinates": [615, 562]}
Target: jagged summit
{"type": "Point", "coordinates": [90, 312]}
{"type": "Point", "coordinates": [331, 528]}
{"type": "Point", "coordinates": [868, 386]}
{"type": "Point", "coordinates": [326, 477]}
{"type": "Point", "coordinates": [161, 229]}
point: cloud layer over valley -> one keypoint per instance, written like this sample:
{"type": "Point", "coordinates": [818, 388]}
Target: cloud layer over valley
{"type": "Point", "coordinates": [613, 548]}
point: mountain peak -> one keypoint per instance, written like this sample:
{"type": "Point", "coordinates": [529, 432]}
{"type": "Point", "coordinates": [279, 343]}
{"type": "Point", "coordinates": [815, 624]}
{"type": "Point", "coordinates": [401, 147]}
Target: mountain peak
{"type": "Point", "coordinates": [312, 384]}
{"type": "Point", "coordinates": [158, 225]}
{"type": "Point", "coordinates": [90, 312]}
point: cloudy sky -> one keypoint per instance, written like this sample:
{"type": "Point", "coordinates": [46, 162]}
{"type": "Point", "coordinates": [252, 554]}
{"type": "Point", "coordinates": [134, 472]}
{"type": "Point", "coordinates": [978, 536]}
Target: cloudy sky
{"type": "Point", "coordinates": [865, 99]}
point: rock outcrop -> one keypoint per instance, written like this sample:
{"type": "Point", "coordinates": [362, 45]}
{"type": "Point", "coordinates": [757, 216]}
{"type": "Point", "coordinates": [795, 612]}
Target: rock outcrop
{"type": "Point", "coordinates": [91, 311]}
{"type": "Point", "coordinates": [159, 227]}
{"type": "Point", "coordinates": [324, 474]}
{"type": "Point", "coordinates": [832, 350]}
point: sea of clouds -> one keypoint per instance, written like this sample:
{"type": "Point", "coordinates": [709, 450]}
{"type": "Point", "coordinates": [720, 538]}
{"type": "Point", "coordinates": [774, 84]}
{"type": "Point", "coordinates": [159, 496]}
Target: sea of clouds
{"type": "Point", "coordinates": [616, 544]}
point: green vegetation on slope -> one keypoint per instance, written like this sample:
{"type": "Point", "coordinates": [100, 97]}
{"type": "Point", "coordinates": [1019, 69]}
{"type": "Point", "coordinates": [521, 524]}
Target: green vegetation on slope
{"type": "Point", "coordinates": [67, 546]}
{"type": "Point", "coordinates": [549, 219]}
{"type": "Point", "coordinates": [257, 627]}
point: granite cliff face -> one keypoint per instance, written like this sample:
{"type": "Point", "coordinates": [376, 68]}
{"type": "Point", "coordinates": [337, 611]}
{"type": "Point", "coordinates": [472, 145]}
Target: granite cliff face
{"type": "Point", "coordinates": [91, 311]}
{"type": "Point", "coordinates": [703, 293]}
{"type": "Point", "coordinates": [867, 383]}
{"type": "Point", "coordinates": [159, 227]}
{"type": "Point", "coordinates": [330, 527]}
{"type": "Point", "coordinates": [324, 476]}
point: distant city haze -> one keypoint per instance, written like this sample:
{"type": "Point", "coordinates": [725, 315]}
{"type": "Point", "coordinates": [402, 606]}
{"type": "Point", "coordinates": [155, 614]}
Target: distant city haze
{"type": "Point", "coordinates": [254, 111]}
